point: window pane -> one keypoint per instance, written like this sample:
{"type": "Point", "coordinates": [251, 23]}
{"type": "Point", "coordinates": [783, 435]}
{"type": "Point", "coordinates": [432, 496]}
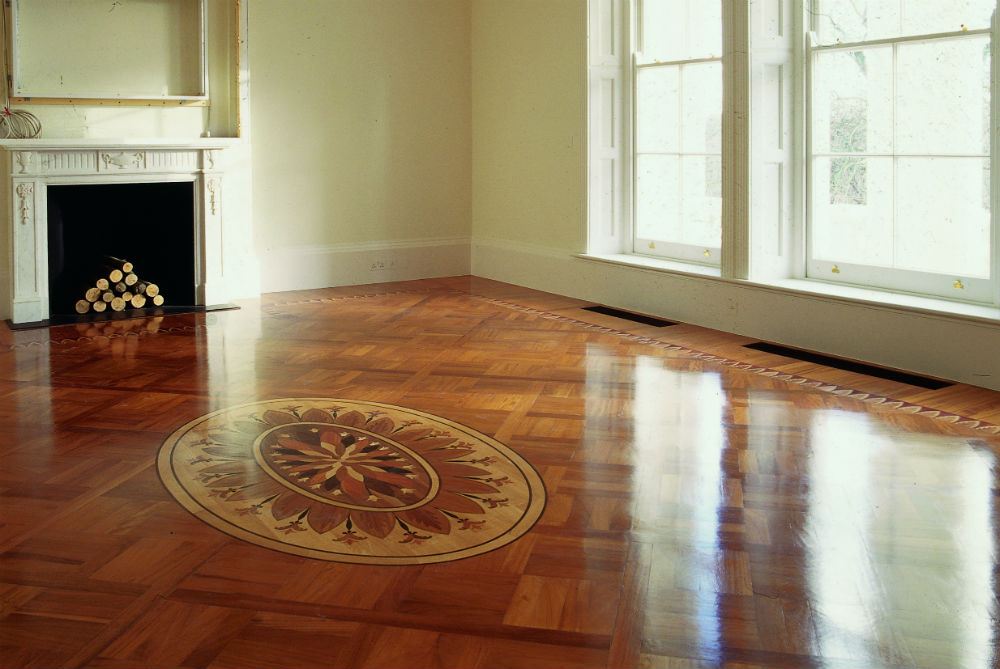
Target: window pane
{"type": "Point", "coordinates": [657, 109]}
{"type": "Point", "coordinates": [657, 197]}
{"type": "Point", "coordinates": [679, 199]}
{"type": "Point", "coordinates": [943, 221]}
{"type": "Point", "coordinates": [852, 101]}
{"type": "Point", "coordinates": [942, 91]}
{"type": "Point", "coordinates": [704, 28]}
{"type": "Point", "coordinates": [860, 20]}
{"type": "Point", "coordinates": [663, 29]}
{"type": "Point", "coordinates": [855, 20]}
{"type": "Point", "coordinates": [900, 139]}
{"type": "Point", "coordinates": [921, 17]}
{"type": "Point", "coordinates": [701, 210]}
{"type": "Point", "coordinates": [852, 226]}
{"type": "Point", "coordinates": [681, 29]}
{"type": "Point", "coordinates": [702, 108]}
{"type": "Point", "coordinates": [848, 181]}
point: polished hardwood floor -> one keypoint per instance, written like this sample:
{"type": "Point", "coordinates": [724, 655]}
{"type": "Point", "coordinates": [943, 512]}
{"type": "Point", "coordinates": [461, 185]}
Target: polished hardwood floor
{"type": "Point", "coordinates": [707, 505]}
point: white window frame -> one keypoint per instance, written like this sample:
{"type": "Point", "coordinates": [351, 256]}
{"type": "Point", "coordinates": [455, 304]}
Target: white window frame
{"type": "Point", "coordinates": [962, 288]}
{"type": "Point", "coordinates": [611, 34]}
{"type": "Point", "coordinates": [652, 246]}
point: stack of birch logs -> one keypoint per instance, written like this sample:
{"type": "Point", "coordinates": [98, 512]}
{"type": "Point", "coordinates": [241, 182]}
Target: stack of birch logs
{"type": "Point", "coordinates": [116, 288]}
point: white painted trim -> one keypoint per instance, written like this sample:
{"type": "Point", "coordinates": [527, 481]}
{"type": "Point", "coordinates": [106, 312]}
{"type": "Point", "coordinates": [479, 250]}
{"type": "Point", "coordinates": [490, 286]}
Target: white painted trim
{"type": "Point", "coordinates": [959, 347]}
{"type": "Point", "coordinates": [855, 46]}
{"type": "Point", "coordinates": [308, 267]}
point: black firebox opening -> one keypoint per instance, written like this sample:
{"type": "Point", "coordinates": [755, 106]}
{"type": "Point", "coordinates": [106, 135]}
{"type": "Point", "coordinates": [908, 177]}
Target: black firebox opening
{"type": "Point", "coordinates": [149, 224]}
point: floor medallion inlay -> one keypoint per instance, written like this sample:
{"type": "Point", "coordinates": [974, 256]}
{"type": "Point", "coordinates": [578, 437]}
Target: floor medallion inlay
{"type": "Point", "coordinates": [351, 481]}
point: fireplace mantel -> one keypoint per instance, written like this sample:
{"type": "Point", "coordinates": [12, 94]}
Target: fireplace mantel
{"type": "Point", "coordinates": [31, 165]}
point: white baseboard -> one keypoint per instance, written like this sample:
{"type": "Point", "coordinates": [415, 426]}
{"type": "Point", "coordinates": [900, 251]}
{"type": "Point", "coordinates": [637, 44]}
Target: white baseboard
{"type": "Point", "coordinates": [306, 267]}
{"type": "Point", "coordinates": [934, 344]}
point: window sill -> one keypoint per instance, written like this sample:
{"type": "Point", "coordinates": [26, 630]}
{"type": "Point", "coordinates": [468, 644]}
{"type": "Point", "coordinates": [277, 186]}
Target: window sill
{"type": "Point", "coordinates": [948, 309]}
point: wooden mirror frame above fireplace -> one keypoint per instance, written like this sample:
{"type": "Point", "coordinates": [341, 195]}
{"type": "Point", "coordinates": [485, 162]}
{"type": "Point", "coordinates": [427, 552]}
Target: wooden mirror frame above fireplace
{"type": "Point", "coordinates": [61, 52]}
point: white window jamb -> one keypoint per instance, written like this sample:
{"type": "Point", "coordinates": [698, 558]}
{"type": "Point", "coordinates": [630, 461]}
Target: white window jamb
{"type": "Point", "coordinates": [608, 167]}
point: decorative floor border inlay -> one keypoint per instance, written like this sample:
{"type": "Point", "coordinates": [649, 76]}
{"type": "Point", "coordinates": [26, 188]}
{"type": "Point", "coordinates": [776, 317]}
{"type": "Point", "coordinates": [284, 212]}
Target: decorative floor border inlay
{"type": "Point", "coordinates": [351, 481]}
{"type": "Point", "coordinates": [869, 398]}
{"type": "Point", "coordinates": [882, 401]}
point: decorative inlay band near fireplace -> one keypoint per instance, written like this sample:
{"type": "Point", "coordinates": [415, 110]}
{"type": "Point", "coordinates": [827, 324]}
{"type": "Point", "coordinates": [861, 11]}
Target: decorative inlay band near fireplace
{"type": "Point", "coordinates": [33, 166]}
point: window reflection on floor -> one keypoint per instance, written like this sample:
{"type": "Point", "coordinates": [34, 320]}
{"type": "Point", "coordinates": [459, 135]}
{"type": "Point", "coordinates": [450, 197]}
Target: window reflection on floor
{"type": "Point", "coordinates": [878, 554]}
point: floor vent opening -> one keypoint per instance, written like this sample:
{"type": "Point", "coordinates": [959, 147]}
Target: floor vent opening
{"type": "Point", "coordinates": [629, 316]}
{"type": "Point", "coordinates": [851, 366]}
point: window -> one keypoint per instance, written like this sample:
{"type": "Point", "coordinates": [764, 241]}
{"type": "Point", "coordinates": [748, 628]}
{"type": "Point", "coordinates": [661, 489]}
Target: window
{"type": "Point", "coordinates": [677, 130]}
{"type": "Point", "coordinates": [843, 141]}
{"type": "Point", "coordinates": [899, 136]}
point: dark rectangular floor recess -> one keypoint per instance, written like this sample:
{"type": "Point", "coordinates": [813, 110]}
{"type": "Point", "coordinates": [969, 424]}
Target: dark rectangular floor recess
{"type": "Point", "coordinates": [851, 366]}
{"type": "Point", "coordinates": [629, 316]}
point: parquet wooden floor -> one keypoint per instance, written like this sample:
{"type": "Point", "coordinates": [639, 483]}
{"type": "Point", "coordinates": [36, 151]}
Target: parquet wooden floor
{"type": "Point", "coordinates": [700, 512]}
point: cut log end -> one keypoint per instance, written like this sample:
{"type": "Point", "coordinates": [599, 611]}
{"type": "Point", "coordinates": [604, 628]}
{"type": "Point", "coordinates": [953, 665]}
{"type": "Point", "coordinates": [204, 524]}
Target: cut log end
{"type": "Point", "coordinates": [120, 263]}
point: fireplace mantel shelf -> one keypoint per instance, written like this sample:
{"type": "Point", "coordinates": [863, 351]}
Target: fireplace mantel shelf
{"type": "Point", "coordinates": [118, 143]}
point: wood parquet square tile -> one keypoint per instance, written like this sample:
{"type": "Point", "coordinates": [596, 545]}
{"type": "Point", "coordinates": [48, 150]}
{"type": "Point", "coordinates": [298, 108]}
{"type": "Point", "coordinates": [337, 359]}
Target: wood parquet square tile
{"type": "Point", "coordinates": [707, 505]}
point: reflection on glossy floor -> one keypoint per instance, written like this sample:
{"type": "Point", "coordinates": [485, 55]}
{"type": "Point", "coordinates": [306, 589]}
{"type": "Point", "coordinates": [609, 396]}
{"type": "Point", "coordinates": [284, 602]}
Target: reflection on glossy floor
{"type": "Point", "coordinates": [698, 514]}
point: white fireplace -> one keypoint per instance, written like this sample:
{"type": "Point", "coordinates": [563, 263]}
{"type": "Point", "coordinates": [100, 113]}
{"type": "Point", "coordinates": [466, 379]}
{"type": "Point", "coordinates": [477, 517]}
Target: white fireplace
{"type": "Point", "coordinates": [222, 244]}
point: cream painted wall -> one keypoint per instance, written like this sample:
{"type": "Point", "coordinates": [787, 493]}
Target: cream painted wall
{"type": "Point", "coordinates": [529, 120]}
{"type": "Point", "coordinates": [361, 125]}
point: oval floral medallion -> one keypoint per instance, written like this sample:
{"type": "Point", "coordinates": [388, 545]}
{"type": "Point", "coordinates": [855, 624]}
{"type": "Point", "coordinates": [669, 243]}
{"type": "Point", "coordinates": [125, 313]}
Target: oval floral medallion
{"type": "Point", "coordinates": [351, 481]}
